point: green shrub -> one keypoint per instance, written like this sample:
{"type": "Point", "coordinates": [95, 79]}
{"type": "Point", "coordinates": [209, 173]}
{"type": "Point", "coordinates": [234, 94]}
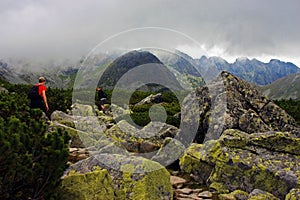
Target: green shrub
{"type": "Point", "coordinates": [290, 106]}
{"type": "Point", "coordinates": [140, 118]}
{"type": "Point", "coordinates": [32, 160]}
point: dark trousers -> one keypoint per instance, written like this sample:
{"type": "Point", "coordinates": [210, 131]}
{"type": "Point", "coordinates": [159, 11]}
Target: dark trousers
{"type": "Point", "coordinates": [38, 103]}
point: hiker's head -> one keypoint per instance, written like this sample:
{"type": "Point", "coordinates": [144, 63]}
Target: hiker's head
{"type": "Point", "coordinates": [42, 79]}
{"type": "Point", "coordinates": [99, 88]}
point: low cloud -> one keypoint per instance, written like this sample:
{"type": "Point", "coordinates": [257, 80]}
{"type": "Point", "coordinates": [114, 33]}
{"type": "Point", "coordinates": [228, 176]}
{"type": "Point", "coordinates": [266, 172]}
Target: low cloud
{"type": "Point", "coordinates": [70, 29]}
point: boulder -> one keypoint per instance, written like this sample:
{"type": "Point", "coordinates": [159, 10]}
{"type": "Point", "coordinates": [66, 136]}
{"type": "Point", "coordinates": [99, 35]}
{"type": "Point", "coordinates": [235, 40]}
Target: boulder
{"type": "Point", "coordinates": [169, 152]}
{"type": "Point", "coordinates": [259, 194]}
{"type": "Point", "coordinates": [153, 98]}
{"type": "Point", "coordinates": [96, 184]}
{"type": "Point", "coordinates": [85, 131]}
{"type": "Point", "coordinates": [132, 177]}
{"type": "Point", "coordinates": [92, 133]}
{"type": "Point", "coordinates": [231, 103]}
{"type": "Point", "coordinates": [194, 161]}
{"type": "Point", "coordinates": [120, 111]}
{"type": "Point", "coordinates": [235, 195]}
{"type": "Point", "coordinates": [3, 90]}
{"type": "Point", "coordinates": [294, 194]}
{"type": "Point", "coordinates": [241, 161]}
{"type": "Point", "coordinates": [82, 110]}
{"type": "Point", "coordinates": [148, 139]}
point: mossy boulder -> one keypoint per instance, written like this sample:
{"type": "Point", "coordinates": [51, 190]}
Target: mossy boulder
{"type": "Point", "coordinates": [85, 131]}
{"type": "Point", "coordinates": [96, 184]}
{"type": "Point", "coordinates": [133, 177]}
{"type": "Point", "coordinates": [258, 194]}
{"type": "Point", "coordinates": [194, 161]}
{"type": "Point", "coordinates": [235, 195]}
{"type": "Point", "coordinates": [118, 111]}
{"type": "Point", "coordinates": [82, 110]}
{"type": "Point", "coordinates": [63, 118]}
{"type": "Point", "coordinates": [148, 139]}
{"type": "Point", "coordinates": [66, 122]}
{"type": "Point", "coordinates": [240, 161]}
{"type": "Point", "coordinates": [294, 194]}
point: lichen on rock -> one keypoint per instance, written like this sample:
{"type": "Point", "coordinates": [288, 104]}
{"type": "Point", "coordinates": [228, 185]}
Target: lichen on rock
{"type": "Point", "coordinates": [96, 184]}
{"type": "Point", "coordinates": [132, 177]}
{"type": "Point", "coordinates": [294, 194]}
{"type": "Point", "coordinates": [242, 161]}
{"type": "Point", "coordinates": [235, 195]}
{"type": "Point", "coordinates": [258, 194]}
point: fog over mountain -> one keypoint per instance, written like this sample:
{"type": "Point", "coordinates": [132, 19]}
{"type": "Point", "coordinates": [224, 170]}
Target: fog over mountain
{"type": "Point", "coordinates": [54, 29]}
{"type": "Point", "coordinates": [190, 72]}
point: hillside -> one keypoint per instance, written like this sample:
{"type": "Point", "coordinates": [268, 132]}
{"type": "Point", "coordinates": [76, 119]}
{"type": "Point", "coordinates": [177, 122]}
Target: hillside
{"type": "Point", "coordinates": [152, 69]}
{"type": "Point", "coordinates": [284, 88]}
{"type": "Point", "coordinates": [20, 71]}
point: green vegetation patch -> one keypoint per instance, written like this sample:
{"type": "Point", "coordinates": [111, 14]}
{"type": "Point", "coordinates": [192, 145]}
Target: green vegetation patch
{"type": "Point", "coordinates": [292, 107]}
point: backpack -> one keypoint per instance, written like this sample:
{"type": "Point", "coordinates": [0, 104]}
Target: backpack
{"type": "Point", "coordinates": [34, 92]}
{"type": "Point", "coordinates": [104, 94]}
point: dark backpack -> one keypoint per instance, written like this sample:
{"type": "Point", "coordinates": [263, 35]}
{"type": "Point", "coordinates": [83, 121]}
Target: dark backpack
{"type": "Point", "coordinates": [34, 92]}
{"type": "Point", "coordinates": [104, 94]}
{"type": "Point", "coordinates": [101, 94]}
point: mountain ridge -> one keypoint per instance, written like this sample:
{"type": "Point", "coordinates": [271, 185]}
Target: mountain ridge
{"type": "Point", "coordinates": [63, 75]}
{"type": "Point", "coordinates": [253, 71]}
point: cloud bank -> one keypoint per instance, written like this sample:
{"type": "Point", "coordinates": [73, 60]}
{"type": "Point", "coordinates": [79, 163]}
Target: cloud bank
{"type": "Point", "coordinates": [69, 29]}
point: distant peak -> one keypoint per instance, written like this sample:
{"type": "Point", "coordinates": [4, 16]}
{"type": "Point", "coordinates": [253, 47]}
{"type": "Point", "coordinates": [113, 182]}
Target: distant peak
{"type": "Point", "coordinates": [275, 60]}
{"type": "Point", "coordinates": [242, 59]}
{"type": "Point", "coordinates": [203, 57]}
{"type": "Point", "coordinates": [218, 59]}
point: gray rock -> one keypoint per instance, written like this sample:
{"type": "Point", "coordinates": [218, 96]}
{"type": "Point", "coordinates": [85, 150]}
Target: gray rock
{"type": "Point", "coordinates": [245, 109]}
{"type": "Point", "coordinates": [153, 98]}
{"type": "Point", "coordinates": [260, 194]}
{"type": "Point", "coordinates": [4, 90]}
{"type": "Point", "coordinates": [293, 194]}
{"type": "Point", "coordinates": [241, 161]}
{"type": "Point", "coordinates": [133, 177]}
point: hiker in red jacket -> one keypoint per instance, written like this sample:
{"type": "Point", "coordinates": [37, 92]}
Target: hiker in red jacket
{"type": "Point", "coordinates": [40, 101]}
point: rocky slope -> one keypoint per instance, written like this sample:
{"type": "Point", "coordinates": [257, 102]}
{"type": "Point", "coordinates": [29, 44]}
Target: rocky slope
{"type": "Point", "coordinates": [138, 66]}
{"type": "Point", "coordinates": [58, 75]}
{"type": "Point", "coordinates": [256, 156]}
{"type": "Point", "coordinates": [284, 88]}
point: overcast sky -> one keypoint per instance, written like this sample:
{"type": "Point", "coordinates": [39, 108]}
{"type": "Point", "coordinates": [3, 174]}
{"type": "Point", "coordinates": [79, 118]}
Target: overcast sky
{"type": "Point", "coordinates": [69, 29]}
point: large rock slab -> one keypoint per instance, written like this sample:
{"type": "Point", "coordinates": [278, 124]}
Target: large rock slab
{"type": "Point", "coordinates": [231, 103]}
{"type": "Point", "coordinates": [294, 194]}
{"type": "Point", "coordinates": [148, 139]}
{"type": "Point", "coordinates": [96, 184]}
{"type": "Point", "coordinates": [133, 177]}
{"type": "Point", "coordinates": [240, 161]}
{"type": "Point", "coordinates": [153, 98]}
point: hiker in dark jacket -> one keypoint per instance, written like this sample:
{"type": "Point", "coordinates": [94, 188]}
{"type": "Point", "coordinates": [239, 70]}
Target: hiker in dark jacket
{"type": "Point", "coordinates": [41, 101]}
{"type": "Point", "coordinates": [101, 98]}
